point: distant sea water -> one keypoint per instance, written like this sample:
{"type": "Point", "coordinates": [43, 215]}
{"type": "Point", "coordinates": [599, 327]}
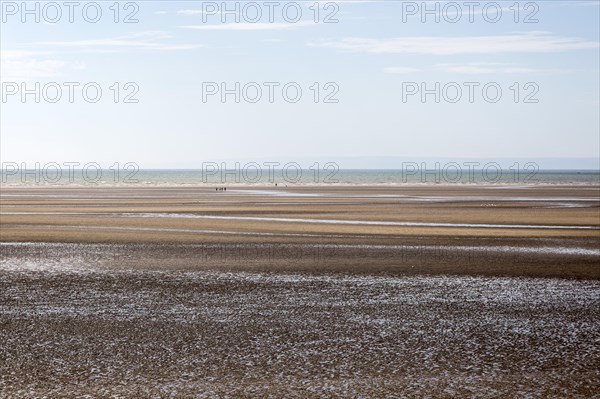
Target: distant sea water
{"type": "Point", "coordinates": [294, 177]}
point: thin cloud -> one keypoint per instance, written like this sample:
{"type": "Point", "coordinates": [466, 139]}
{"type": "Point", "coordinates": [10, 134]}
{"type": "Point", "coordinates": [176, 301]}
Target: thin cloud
{"type": "Point", "coordinates": [485, 68]}
{"type": "Point", "coordinates": [325, 2]}
{"type": "Point", "coordinates": [573, 4]}
{"type": "Point", "coordinates": [190, 12]}
{"type": "Point", "coordinates": [400, 70]}
{"type": "Point", "coordinates": [7, 55]}
{"type": "Point", "coordinates": [531, 42]}
{"type": "Point", "coordinates": [250, 26]}
{"type": "Point", "coordinates": [151, 40]}
{"type": "Point", "coordinates": [473, 68]}
{"type": "Point", "coordinates": [22, 66]}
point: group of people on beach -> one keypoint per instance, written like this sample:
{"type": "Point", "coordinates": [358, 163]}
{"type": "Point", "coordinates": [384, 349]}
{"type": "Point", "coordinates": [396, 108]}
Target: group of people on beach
{"type": "Point", "coordinates": [225, 188]}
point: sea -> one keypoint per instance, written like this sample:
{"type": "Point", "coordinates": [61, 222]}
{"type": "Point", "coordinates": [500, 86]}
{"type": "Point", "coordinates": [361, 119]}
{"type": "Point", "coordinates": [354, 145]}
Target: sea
{"type": "Point", "coordinates": [291, 177]}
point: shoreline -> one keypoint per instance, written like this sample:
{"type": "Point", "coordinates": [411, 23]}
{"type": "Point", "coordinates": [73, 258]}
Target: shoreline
{"type": "Point", "coordinates": [290, 186]}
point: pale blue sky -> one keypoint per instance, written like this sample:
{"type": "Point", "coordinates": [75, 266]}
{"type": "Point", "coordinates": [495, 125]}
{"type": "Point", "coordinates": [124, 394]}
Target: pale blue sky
{"type": "Point", "coordinates": [369, 53]}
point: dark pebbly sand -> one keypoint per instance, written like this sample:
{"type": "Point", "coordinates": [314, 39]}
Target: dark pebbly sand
{"type": "Point", "coordinates": [440, 291]}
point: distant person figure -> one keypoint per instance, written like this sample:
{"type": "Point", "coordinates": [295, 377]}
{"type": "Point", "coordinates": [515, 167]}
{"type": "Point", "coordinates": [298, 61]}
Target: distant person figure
{"type": "Point", "coordinates": [275, 184]}
{"type": "Point", "coordinates": [225, 188]}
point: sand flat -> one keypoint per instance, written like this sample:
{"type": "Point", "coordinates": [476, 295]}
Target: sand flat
{"type": "Point", "coordinates": [171, 292]}
{"type": "Point", "coordinates": [546, 230]}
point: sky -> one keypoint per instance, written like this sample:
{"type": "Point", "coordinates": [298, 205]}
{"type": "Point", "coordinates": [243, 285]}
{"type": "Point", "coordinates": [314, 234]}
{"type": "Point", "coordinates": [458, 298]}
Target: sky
{"type": "Point", "coordinates": [512, 80]}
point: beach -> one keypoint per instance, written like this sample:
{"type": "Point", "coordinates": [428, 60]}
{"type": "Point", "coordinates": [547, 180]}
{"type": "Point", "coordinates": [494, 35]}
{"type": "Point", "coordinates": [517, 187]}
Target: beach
{"type": "Point", "coordinates": [365, 291]}
{"type": "Point", "coordinates": [544, 231]}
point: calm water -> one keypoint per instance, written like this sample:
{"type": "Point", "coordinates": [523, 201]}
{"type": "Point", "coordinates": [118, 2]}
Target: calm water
{"type": "Point", "coordinates": [293, 177]}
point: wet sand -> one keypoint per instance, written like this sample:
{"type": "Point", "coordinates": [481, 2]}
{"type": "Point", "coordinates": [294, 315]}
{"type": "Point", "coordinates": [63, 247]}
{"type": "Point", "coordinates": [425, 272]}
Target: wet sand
{"type": "Point", "coordinates": [304, 292]}
{"type": "Point", "coordinates": [545, 231]}
{"type": "Point", "coordinates": [215, 334]}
